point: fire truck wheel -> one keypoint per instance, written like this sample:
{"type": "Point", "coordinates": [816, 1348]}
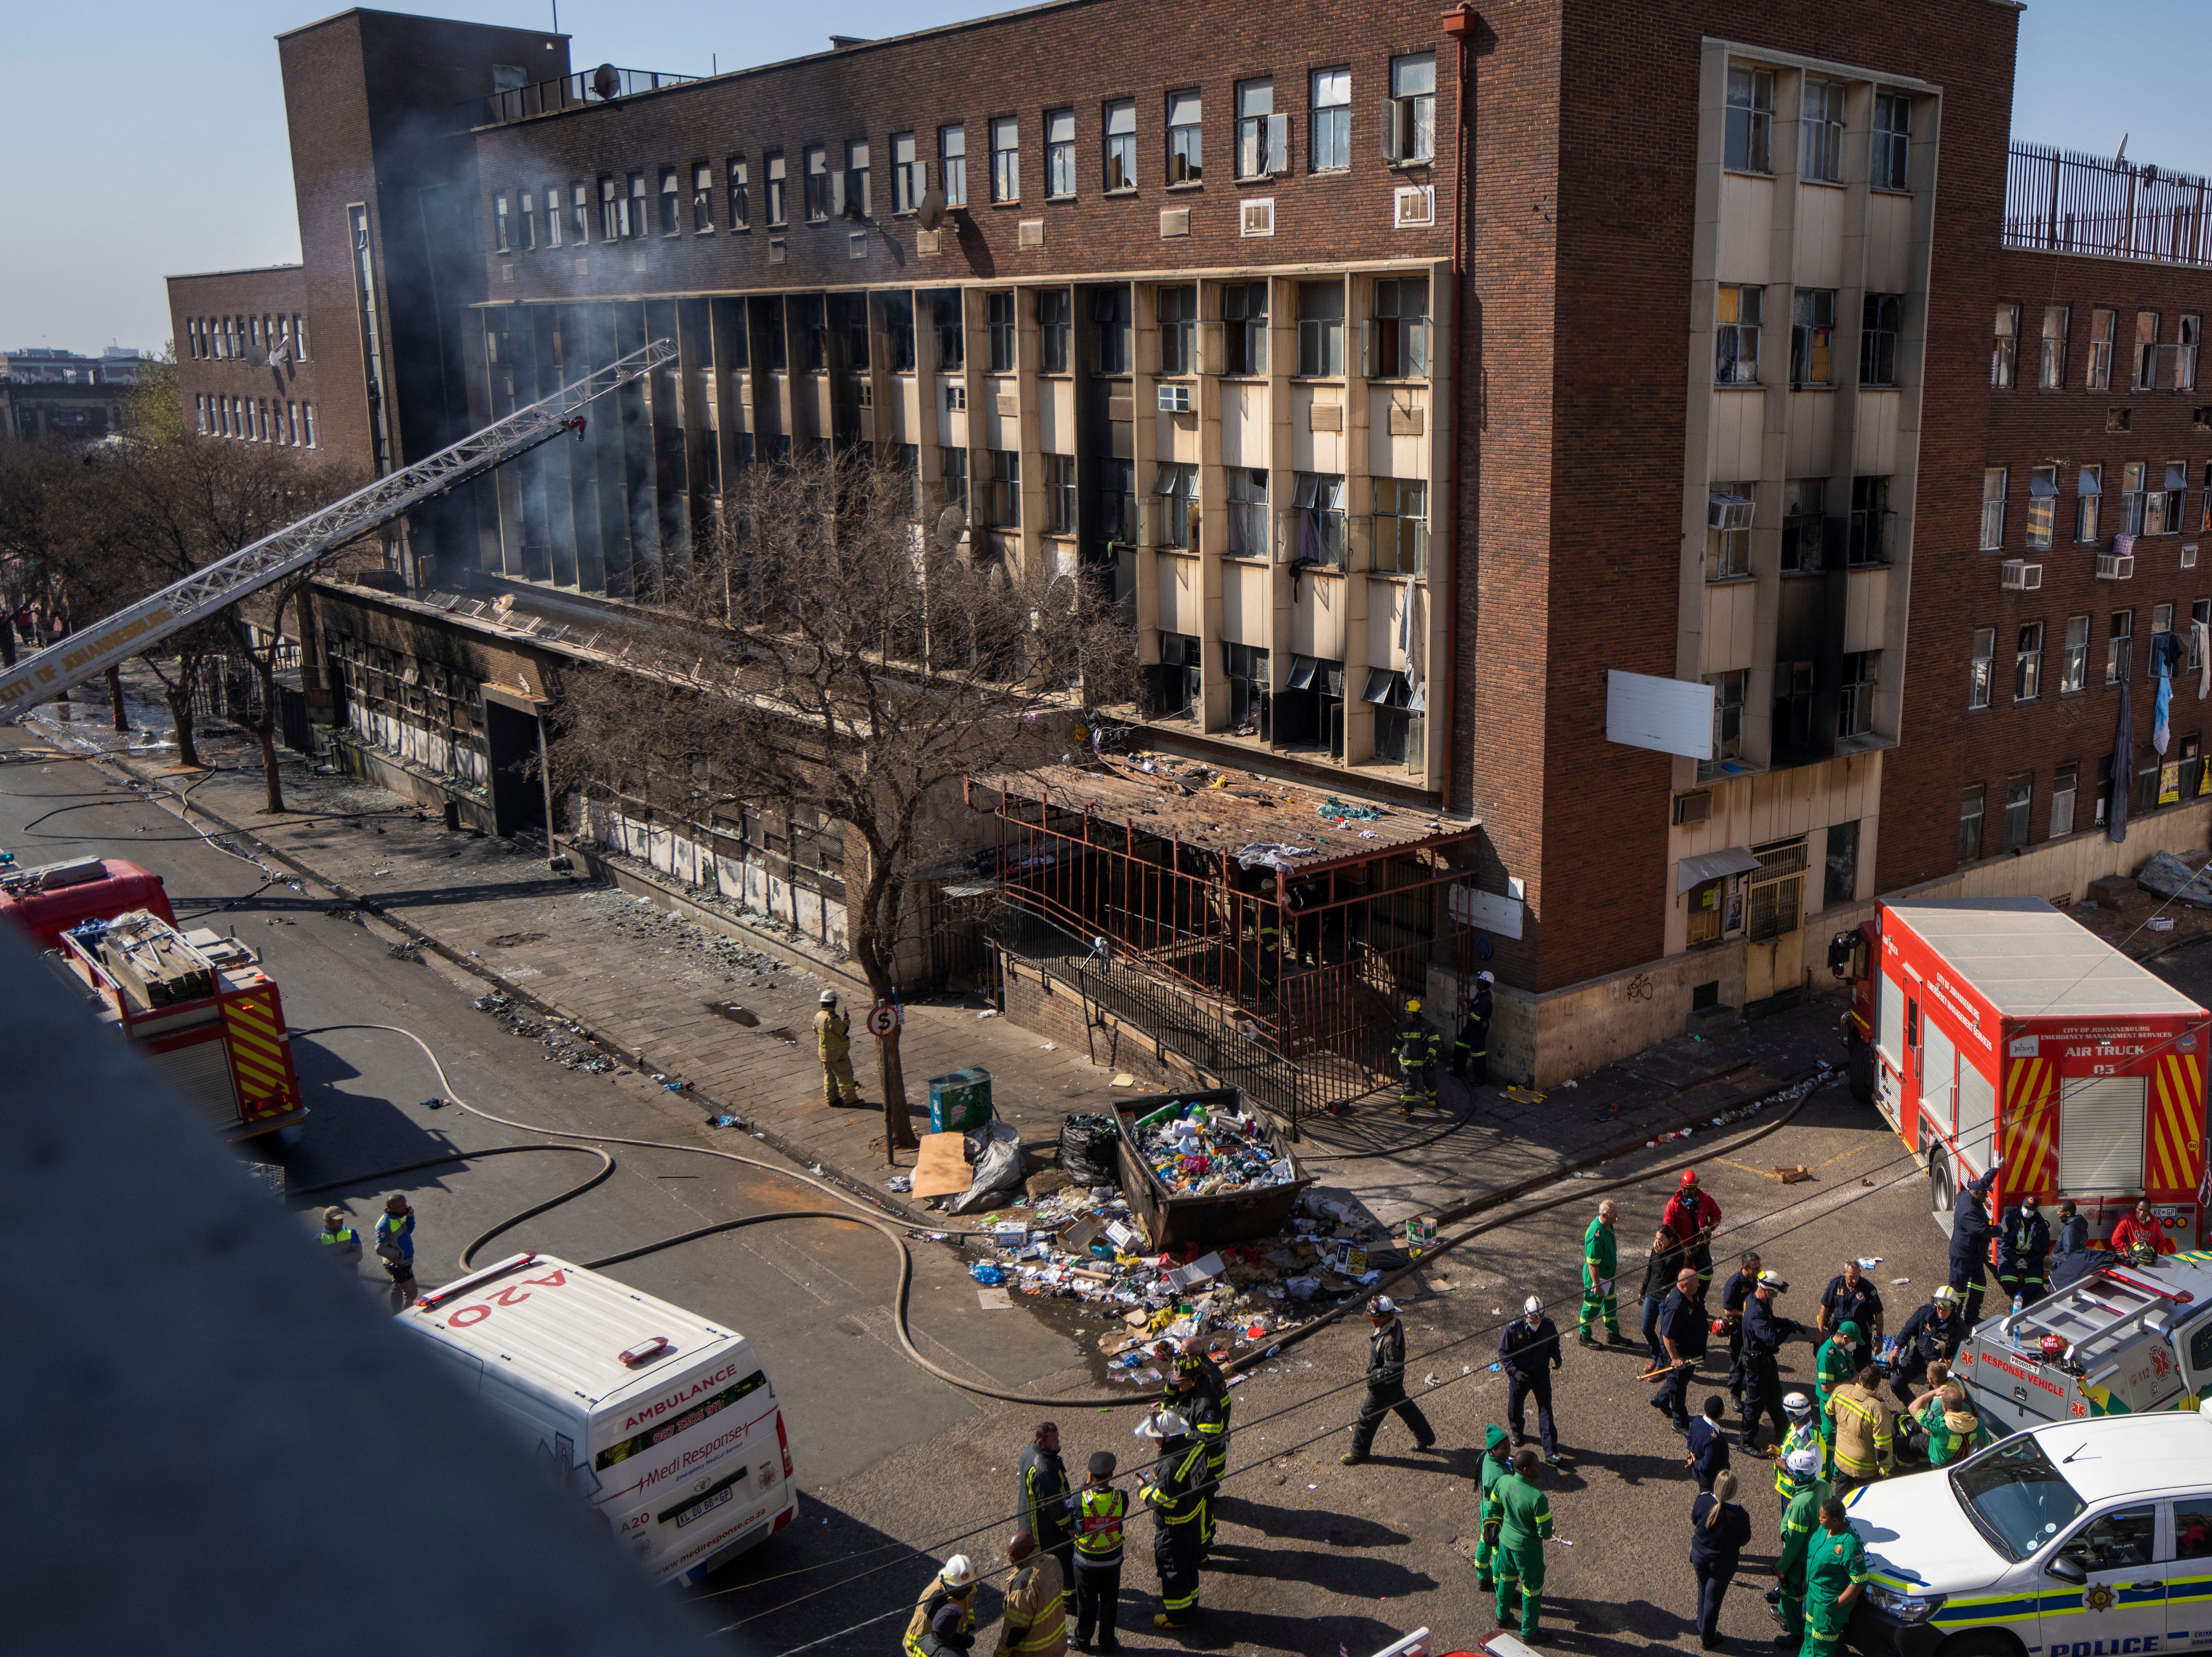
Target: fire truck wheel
{"type": "Point", "coordinates": [1940, 1194]}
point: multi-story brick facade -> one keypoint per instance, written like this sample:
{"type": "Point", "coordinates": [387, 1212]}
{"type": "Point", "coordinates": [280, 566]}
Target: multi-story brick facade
{"type": "Point", "coordinates": [1410, 374]}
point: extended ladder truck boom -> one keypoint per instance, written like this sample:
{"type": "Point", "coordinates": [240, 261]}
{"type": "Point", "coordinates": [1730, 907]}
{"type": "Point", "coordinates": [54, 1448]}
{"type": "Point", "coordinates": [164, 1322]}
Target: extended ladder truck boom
{"type": "Point", "coordinates": [92, 650]}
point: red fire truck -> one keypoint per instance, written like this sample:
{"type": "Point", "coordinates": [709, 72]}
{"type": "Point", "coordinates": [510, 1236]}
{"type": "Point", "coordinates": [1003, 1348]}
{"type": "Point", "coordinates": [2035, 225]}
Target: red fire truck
{"type": "Point", "coordinates": [1983, 1025]}
{"type": "Point", "coordinates": [45, 901]}
{"type": "Point", "coordinates": [202, 1010]}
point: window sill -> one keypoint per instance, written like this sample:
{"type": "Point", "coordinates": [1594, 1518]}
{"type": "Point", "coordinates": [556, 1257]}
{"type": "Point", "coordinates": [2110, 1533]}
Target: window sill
{"type": "Point", "coordinates": [1260, 177]}
{"type": "Point", "coordinates": [1729, 581]}
{"type": "Point", "coordinates": [1739, 384]}
{"type": "Point", "coordinates": [1050, 200]}
{"type": "Point", "coordinates": [1802, 574]}
{"type": "Point", "coordinates": [1186, 187]}
{"type": "Point", "coordinates": [708, 230]}
{"type": "Point", "coordinates": [1011, 201]}
{"type": "Point", "coordinates": [1884, 190]}
{"type": "Point", "coordinates": [1130, 190]}
{"type": "Point", "coordinates": [1813, 385]}
{"type": "Point", "coordinates": [1747, 172]}
{"type": "Point", "coordinates": [1825, 184]}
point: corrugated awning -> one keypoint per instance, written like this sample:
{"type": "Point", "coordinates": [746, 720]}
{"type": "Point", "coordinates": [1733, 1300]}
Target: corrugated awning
{"type": "Point", "coordinates": [1711, 866]}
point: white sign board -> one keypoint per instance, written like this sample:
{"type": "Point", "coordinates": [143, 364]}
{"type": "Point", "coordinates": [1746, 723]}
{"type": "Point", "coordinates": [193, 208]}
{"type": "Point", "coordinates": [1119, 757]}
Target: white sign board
{"type": "Point", "coordinates": [1471, 906]}
{"type": "Point", "coordinates": [1669, 716]}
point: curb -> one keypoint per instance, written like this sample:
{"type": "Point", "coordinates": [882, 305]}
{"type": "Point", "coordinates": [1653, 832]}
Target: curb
{"type": "Point", "coordinates": [889, 1204]}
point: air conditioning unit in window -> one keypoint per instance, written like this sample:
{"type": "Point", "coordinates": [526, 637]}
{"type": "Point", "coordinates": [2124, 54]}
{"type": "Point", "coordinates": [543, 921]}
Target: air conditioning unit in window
{"type": "Point", "coordinates": [2116, 566]}
{"type": "Point", "coordinates": [1413, 206]}
{"type": "Point", "coordinates": [1257, 217]}
{"type": "Point", "coordinates": [2188, 557]}
{"type": "Point", "coordinates": [1174, 399]}
{"type": "Point", "coordinates": [1694, 808]}
{"type": "Point", "coordinates": [2018, 575]}
{"type": "Point", "coordinates": [1728, 511]}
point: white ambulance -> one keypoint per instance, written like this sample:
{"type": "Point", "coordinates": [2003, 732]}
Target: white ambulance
{"type": "Point", "coordinates": [661, 1421]}
{"type": "Point", "coordinates": [2081, 1538]}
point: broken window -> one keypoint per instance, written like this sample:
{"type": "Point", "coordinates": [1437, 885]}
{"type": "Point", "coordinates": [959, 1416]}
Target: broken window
{"type": "Point", "coordinates": [1882, 322]}
{"type": "Point", "coordinates": [2089, 495]}
{"type": "Point", "coordinates": [1175, 488]}
{"type": "Point", "coordinates": [502, 235]}
{"type": "Point", "coordinates": [2185, 354]}
{"type": "Point", "coordinates": [2145, 370]}
{"type": "Point", "coordinates": [1005, 160]}
{"type": "Point", "coordinates": [703, 197]}
{"type": "Point", "coordinates": [1855, 704]}
{"type": "Point", "coordinates": [815, 180]}
{"type": "Point", "coordinates": [1812, 334]}
{"type": "Point", "coordinates": [999, 318]}
{"type": "Point", "coordinates": [671, 217]}
{"type": "Point", "coordinates": [580, 211]}
{"type": "Point", "coordinates": [1317, 519]}
{"type": "Point", "coordinates": [2074, 667]}
{"type": "Point", "coordinates": [2051, 376]}
{"type": "Point", "coordinates": [2028, 663]}
{"type": "Point", "coordinates": [2102, 324]}
{"type": "Point", "coordinates": [1059, 504]}
{"type": "Point", "coordinates": [2131, 496]}
{"type": "Point", "coordinates": [1003, 498]}
{"type": "Point", "coordinates": [1735, 334]}
{"type": "Point", "coordinates": [1262, 136]}
{"type": "Point", "coordinates": [555, 195]}
{"type": "Point", "coordinates": [1982, 667]}
{"type": "Point", "coordinates": [854, 196]}
{"type": "Point", "coordinates": [1804, 525]}
{"type": "Point", "coordinates": [741, 195]}
{"type": "Point", "coordinates": [1249, 688]}
{"type": "Point", "coordinates": [1397, 705]}
{"type": "Point", "coordinates": [1244, 328]}
{"type": "Point", "coordinates": [1728, 529]}
{"type": "Point", "coordinates": [953, 467]}
{"type": "Point", "coordinates": [1871, 522]}
{"type": "Point", "coordinates": [951, 339]}
{"type": "Point", "coordinates": [634, 221]}
{"type": "Point", "coordinates": [1110, 315]}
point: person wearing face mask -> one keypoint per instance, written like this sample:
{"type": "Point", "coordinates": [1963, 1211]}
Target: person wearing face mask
{"type": "Point", "coordinates": [2024, 1252]}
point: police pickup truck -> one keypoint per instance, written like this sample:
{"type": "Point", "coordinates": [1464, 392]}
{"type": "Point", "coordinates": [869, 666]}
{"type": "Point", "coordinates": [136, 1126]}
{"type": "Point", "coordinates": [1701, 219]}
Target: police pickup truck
{"type": "Point", "coordinates": [2125, 1339]}
{"type": "Point", "coordinates": [2089, 1539]}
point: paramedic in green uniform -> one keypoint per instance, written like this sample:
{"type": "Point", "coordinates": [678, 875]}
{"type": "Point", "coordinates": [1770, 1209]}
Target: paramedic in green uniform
{"type": "Point", "coordinates": [1525, 1526]}
{"type": "Point", "coordinates": [1494, 1454]}
{"type": "Point", "coordinates": [1835, 1567]}
{"type": "Point", "coordinates": [1600, 1258]}
{"type": "Point", "coordinates": [1803, 1491]}
{"type": "Point", "coordinates": [1835, 1362]}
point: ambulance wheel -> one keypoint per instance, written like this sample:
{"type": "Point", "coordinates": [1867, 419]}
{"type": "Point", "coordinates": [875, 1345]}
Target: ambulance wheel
{"type": "Point", "coordinates": [1941, 1194]}
{"type": "Point", "coordinates": [1981, 1642]}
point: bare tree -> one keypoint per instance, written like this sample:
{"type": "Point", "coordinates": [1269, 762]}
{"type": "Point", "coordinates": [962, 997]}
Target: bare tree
{"type": "Point", "coordinates": [199, 499]}
{"type": "Point", "coordinates": [823, 653]}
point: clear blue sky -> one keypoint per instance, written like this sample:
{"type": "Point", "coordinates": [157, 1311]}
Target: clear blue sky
{"type": "Point", "coordinates": [145, 137]}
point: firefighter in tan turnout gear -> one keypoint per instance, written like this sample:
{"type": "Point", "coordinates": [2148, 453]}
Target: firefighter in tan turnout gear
{"type": "Point", "coordinates": [833, 1040]}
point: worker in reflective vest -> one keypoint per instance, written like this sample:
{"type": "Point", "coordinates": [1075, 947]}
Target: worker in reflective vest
{"type": "Point", "coordinates": [1177, 1493]}
{"type": "Point", "coordinates": [952, 1588]}
{"type": "Point", "coordinates": [1100, 1510]}
{"type": "Point", "coordinates": [341, 1239]}
{"type": "Point", "coordinates": [1201, 1406]}
{"type": "Point", "coordinates": [1043, 1499]}
{"type": "Point", "coordinates": [1416, 1047]}
{"type": "Point", "coordinates": [833, 1040]}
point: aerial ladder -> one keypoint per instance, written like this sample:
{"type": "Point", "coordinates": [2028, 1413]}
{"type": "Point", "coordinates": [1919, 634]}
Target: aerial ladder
{"type": "Point", "coordinates": [90, 652]}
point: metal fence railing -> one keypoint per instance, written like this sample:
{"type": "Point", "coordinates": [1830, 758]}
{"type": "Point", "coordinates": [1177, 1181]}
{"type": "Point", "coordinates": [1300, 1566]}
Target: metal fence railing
{"type": "Point", "coordinates": [228, 691]}
{"type": "Point", "coordinates": [2062, 201]}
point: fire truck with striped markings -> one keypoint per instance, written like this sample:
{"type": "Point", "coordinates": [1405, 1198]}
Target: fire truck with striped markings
{"type": "Point", "coordinates": [1988, 1028]}
{"type": "Point", "coordinates": [200, 1008]}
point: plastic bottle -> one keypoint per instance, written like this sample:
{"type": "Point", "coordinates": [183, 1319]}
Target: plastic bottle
{"type": "Point", "coordinates": [2012, 1323]}
{"type": "Point", "coordinates": [1172, 1108]}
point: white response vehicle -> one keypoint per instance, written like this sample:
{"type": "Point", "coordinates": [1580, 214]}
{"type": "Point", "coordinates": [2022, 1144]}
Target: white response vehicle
{"type": "Point", "coordinates": [2082, 1539]}
{"type": "Point", "coordinates": [662, 1422]}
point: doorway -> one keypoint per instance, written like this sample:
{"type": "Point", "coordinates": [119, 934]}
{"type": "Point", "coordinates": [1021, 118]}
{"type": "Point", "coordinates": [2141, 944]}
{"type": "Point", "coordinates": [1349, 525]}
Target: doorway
{"type": "Point", "coordinates": [1774, 951]}
{"type": "Point", "coordinates": [510, 745]}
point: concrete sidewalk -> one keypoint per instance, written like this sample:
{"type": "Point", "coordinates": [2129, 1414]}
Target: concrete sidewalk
{"type": "Point", "coordinates": [677, 983]}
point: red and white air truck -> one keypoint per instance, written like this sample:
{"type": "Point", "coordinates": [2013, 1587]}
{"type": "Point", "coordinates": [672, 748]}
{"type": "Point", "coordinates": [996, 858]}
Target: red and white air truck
{"type": "Point", "coordinates": [1999, 1026]}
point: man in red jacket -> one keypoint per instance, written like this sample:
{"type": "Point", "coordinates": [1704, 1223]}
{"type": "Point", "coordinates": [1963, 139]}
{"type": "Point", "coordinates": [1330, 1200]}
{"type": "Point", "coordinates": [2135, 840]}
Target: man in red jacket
{"type": "Point", "coordinates": [1694, 1216]}
{"type": "Point", "coordinates": [2140, 1227]}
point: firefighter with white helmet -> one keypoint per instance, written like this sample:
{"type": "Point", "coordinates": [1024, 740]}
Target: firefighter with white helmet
{"type": "Point", "coordinates": [1529, 1350]}
{"type": "Point", "coordinates": [1386, 1384]}
{"type": "Point", "coordinates": [1415, 1045]}
{"type": "Point", "coordinates": [1798, 1476]}
{"type": "Point", "coordinates": [1178, 1492]}
{"type": "Point", "coordinates": [944, 1613]}
{"type": "Point", "coordinates": [833, 1041]}
{"type": "Point", "coordinates": [1471, 1052]}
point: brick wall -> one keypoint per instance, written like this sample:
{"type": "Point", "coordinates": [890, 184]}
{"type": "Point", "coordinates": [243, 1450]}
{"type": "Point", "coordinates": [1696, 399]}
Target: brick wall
{"type": "Point", "coordinates": [278, 290]}
{"type": "Point", "coordinates": [1951, 746]}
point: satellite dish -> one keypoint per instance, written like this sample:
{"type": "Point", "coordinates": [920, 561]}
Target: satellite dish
{"type": "Point", "coordinates": [606, 81]}
{"type": "Point", "coordinates": [949, 524]}
{"type": "Point", "coordinates": [931, 214]}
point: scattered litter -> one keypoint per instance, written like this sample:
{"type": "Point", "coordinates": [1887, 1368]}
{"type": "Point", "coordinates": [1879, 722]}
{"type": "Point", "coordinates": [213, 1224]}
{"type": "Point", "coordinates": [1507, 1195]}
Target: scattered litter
{"type": "Point", "coordinates": [434, 1104]}
{"type": "Point", "coordinates": [899, 1184]}
{"type": "Point", "coordinates": [729, 1121]}
{"type": "Point", "coordinates": [987, 1274]}
{"type": "Point", "coordinates": [1049, 1046]}
{"type": "Point", "coordinates": [1124, 1080]}
{"type": "Point", "coordinates": [1899, 1283]}
{"type": "Point", "coordinates": [1793, 1175]}
{"type": "Point", "coordinates": [988, 1012]}
{"type": "Point", "coordinates": [818, 1171]}
{"type": "Point", "coordinates": [2160, 923]}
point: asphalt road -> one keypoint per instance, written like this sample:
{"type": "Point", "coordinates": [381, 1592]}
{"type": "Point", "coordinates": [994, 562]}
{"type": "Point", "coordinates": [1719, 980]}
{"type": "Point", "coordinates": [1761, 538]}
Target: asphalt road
{"type": "Point", "coordinates": [1313, 1556]}
{"type": "Point", "coordinates": [812, 1296]}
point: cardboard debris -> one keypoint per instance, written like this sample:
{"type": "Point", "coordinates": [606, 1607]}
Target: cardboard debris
{"type": "Point", "coordinates": [1793, 1175]}
{"type": "Point", "coordinates": [941, 1169]}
